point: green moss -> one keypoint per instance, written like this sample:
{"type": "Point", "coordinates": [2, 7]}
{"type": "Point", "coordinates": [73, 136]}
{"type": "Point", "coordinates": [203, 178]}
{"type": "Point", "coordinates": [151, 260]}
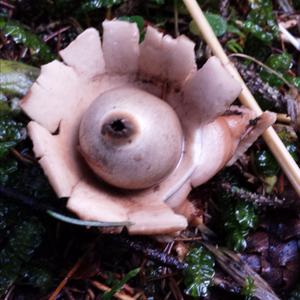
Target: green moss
{"type": "Point", "coordinates": [22, 243]}
{"type": "Point", "coordinates": [261, 22]}
{"type": "Point", "coordinates": [21, 35]}
{"type": "Point", "coordinates": [265, 164]}
{"type": "Point", "coordinates": [16, 78]}
{"type": "Point", "coordinates": [280, 63]}
{"type": "Point", "coordinates": [11, 133]}
{"type": "Point", "coordinates": [238, 217]}
{"type": "Point", "coordinates": [199, 273]}
{"type": "Point", "coordinates": [217, 23]}
{"type": "Point", "coordinates": [248, 288]}
{"type": "Point", "coordinates": [37, 276]}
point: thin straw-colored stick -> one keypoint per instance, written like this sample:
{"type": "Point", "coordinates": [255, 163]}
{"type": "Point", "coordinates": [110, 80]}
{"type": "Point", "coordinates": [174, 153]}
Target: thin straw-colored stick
{"type": "Point", "coordinates": [284, 158]}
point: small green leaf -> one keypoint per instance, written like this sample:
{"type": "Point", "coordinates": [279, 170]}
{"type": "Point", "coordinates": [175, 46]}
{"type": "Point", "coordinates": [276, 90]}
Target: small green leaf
{"type": "Point", "coordinates": [118, 286]}
{"type": "Point", "coordinates": [199, 273]}
{"type": "Point", "coordinates": [293, 80]}
{"type": "Point", "coordinates": [280, 63]}
{"type": "Point", "coordinates": [11, 133]}
{"type": "Point", "coordinates": [245, 215]}
{"type": "Point", "coordinates": [293, 150]}
{"type": "Point", "coordinates": [265, 163]}
{"type": "Point", "coordinates": [90, 5]}
{"type": "Point", "coordinates": [234, 46]}
{"type": "Point", "coordinates": [20, 35]}
{"type": "Point", "coordinates": [218, 24]}
{"type": "Point", "coordinates": [248, 288]}
{"type": "Point", "coordinates": [236, 238]}
{"type": "Point", "coordinates": [233, 29]}
{"type": "Point", "coordinates": [16, 78]}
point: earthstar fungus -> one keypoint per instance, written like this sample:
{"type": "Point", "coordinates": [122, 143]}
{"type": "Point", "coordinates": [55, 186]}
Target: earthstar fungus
{"type": "Point", "coordinates": [124, 135]}
{"type": "Point", "coordinates": [125, 130]}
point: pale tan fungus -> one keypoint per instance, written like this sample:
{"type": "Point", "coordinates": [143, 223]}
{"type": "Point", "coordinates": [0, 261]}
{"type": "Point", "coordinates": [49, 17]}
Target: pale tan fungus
{"type": "Point", "coordinates": [129, 143]}
{"type": "Point", "coordinates": [159, 66]}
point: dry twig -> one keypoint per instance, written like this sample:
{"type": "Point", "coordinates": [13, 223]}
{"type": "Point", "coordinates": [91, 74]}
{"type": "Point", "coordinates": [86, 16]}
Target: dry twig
{"type": "Point", "coordinates": [232, 264]}
{"type": "Point", "coordinates": [257, 85]}
{"type": "Point", "coordinates": [152, 253]}
{"type": "Point", "coordinates": [257, 199]}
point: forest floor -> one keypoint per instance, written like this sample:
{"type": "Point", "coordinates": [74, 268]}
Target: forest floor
{"type": "Point", "coordinates": [247, 245]}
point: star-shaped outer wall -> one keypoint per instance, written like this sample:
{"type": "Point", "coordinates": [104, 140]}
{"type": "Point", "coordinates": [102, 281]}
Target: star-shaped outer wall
{"type": "Point", "coordinates": [179, 152]}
